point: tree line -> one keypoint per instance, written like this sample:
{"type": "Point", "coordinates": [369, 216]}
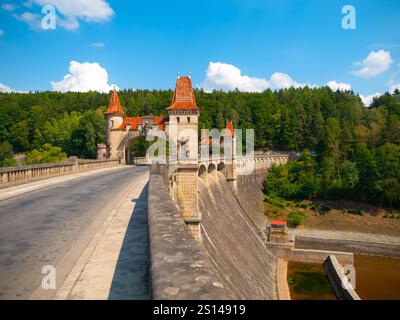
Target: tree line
{"type": "Point", "coordinates": [353, 149]}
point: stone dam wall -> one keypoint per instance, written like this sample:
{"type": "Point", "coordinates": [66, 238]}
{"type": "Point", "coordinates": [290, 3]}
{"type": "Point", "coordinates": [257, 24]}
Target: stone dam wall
{"type": "Point", "coordinates": [239, 257]}
{"type": "Point", "coordinates": [250, 196]}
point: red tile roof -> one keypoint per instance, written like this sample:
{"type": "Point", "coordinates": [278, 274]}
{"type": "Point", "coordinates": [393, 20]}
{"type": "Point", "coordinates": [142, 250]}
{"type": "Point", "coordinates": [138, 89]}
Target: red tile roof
{"type": "Point", "coordinates": [184, 98]}
{"type": "Point", "coordinates": [160, 122]}
{"type": "Point", "coordinates": [278, 223]}
{"type": "Point", "coordinates": [133, 121]}
{"type": "Point", "coordinates": [230, 130]}
{"type": "Point", "coordinates": [114, 107]}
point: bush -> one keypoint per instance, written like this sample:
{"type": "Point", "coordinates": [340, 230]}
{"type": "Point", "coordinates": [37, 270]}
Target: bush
{"type": "Point", "coordinates": [357, 211]}
{"type": "Point", "coordinates": [47, 154]}
{"type": "Point", "coordinates": [314, 207]}
{"type": "Point", "coordinates": [296, 218]}
{"type": "Point", "coordinates": [303, 205]}
{"type": "Point", "coordinates": [326, 207]}
{"type": "Point", "coordinates": [276, 201]}
{"type": "Point", "coordinates": [291, 280]}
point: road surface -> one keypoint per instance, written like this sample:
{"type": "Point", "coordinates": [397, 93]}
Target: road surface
{"type": "Point", "coordinates": [42, 227]}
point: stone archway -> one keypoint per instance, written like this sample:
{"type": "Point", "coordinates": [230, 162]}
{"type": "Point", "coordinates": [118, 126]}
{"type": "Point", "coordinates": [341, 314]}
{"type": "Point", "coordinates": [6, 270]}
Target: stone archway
{"type": "Point", "coordinates": [124, 148]}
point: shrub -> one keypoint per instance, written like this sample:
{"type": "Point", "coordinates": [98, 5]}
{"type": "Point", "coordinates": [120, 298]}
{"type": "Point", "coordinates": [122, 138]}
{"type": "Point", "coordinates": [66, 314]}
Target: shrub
{"type": "Point", "coordinates": [296, 218]}
{"type": "Point", "coordinates": [303, 205]}
{"type": "Point", "coordinates": [291, 280]}
{"type": "Point", "coordinates": [326, 207]}
{"type": "Point", "coordinates": [314, 207]}
{"type": "Point", "coordinates": [357, 211]}
{"type": "Point", "coordinates": [276, 201]}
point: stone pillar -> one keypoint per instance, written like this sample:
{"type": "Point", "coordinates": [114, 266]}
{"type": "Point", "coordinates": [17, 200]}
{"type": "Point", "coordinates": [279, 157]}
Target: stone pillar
{"type": "Point", "coordinates": [230, 175]}
{"type": "Point", "coordinates": [187, 197]}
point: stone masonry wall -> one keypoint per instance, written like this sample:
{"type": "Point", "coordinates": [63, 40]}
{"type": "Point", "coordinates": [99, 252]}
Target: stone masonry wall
{"type": "Point", "coordinates": [179, 268]}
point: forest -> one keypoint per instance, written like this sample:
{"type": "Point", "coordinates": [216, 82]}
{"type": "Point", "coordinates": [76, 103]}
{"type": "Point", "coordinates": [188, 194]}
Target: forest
{"type": "Point", "coordinates": [349, 150]}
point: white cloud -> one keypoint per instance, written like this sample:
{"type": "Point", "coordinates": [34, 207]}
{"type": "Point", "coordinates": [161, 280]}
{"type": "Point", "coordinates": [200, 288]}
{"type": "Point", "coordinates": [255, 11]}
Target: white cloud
{"type": "Point", "coordinates": [4, 88]}
{"type": "Point", "coordinates": [228, 77]}
{"type": "Point", "coordinates": [1, 32]}
{"type": "Point", "coordinates": [70, 12]}
{"type": "Point", "coordinates": [282, 81]}
{"type": "Point", "coordinates": [223, 76]}
{"type": "Point", "coordinates": [8, 6]}
{"type": "Point", "coordinates": [97, 44]}
{"type": "Point", "coordinates": [367, 100]}
{"type": "Point", "coordinates": [83, 77]}
{"type": "Point", "coordinates": [374, 64]}
{"type": "Point", "coordinates": [32, 19]}
{"type": "Point", "coordinates": [338, 86]}
{"type": "Point", "coordinates": [393, 87]}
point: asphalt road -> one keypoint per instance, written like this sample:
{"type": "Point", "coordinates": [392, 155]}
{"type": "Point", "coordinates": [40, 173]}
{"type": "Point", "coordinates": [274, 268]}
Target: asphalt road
{"type": "Point", "coordinates": [41, 227]}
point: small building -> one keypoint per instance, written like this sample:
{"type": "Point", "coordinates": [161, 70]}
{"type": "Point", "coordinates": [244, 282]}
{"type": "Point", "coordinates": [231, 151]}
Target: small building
{"type": "Point", "coordinates": [277, 231]}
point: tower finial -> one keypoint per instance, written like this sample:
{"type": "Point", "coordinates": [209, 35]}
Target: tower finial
{"type": "Point", "coordinates": [190, 73]}
{"type": "Point", "coordinates": [115, 85]}
{"type": "Point", "coordinates": [178, 74]}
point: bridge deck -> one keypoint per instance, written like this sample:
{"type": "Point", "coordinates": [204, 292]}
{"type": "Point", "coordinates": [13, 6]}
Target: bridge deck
{"type": "Point", "coordinates": [53, 226]}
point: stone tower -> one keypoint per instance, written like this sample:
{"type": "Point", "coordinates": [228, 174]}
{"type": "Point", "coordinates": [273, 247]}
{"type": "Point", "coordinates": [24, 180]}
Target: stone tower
{"type": "Point", "coordinates": [183, 132]}
{"type": "Point", "coordinates": [183, 121]}
{"type": "Point", "coordinates": [114, 118]}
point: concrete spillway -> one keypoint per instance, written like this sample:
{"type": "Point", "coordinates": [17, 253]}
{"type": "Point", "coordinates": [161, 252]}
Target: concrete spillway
{"type": "Point", "coordinates": [251, 198]}
{"type": "Point", "coordinates": [246, 267]}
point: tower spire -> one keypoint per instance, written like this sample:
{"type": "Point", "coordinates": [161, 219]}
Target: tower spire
{"type": "Point", "coordinates": [114, 106]}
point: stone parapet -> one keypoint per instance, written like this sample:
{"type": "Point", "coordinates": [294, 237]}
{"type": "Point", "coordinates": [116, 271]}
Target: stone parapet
{"type": "Point", "coordinates": [17, 175]}
{"type": "Point", "coordinates": [179, 269]}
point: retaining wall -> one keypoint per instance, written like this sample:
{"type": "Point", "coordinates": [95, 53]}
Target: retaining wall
{"type": "Point", "coordinates": [383, 249]}
{"type": "Point", "coordinates": [334, 271]}
{"type": "Point", "coordinates": [308, 255]}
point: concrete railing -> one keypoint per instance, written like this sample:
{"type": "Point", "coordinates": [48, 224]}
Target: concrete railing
{"type": "Point", "coordinates": [335, 274]}
{"type": "Point", "coordinates": [22, 174]}
{"type": "Point", "coordinates": [178, 267]}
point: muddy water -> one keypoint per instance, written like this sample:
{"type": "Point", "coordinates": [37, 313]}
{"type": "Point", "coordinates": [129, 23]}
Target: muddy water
{"type": "Point", "coordinates": [377, 278]}
{"type": "Point", "coordinates": [307, 281]}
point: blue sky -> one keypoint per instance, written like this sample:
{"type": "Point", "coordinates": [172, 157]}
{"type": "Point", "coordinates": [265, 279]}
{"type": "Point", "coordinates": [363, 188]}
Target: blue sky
{"type": "Point", "coordinates": [252, 44]}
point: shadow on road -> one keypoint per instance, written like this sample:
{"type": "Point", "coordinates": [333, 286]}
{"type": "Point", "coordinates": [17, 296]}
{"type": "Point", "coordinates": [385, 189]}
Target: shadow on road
{"type": "Point", "coordinates": [131, 278]}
